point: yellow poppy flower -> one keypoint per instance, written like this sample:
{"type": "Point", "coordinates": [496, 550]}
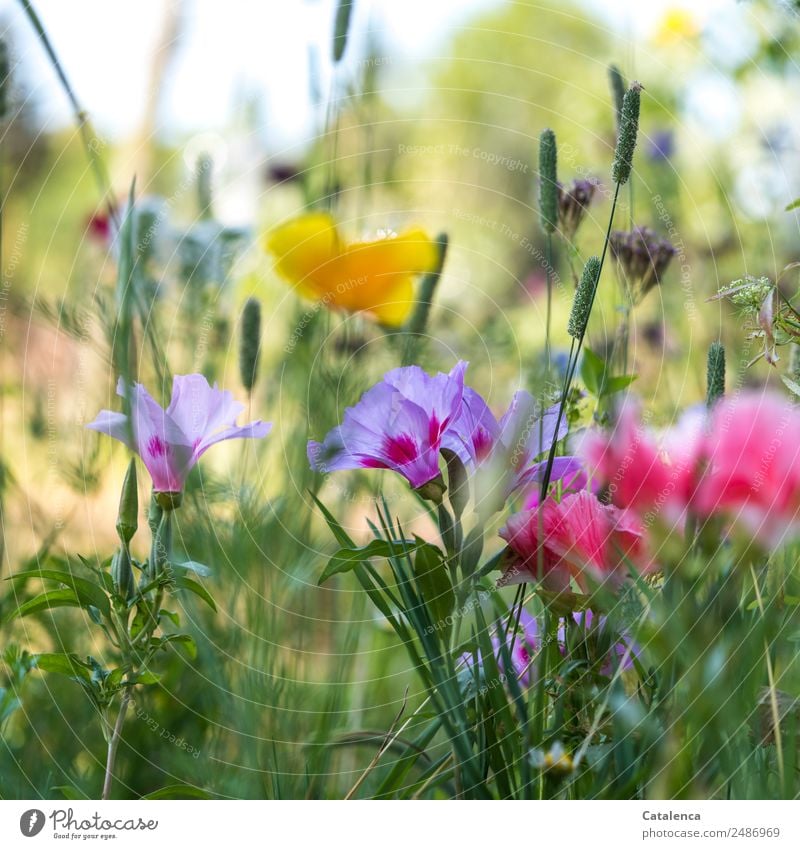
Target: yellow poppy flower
{"type": "Point", "coordinates": [677, 25]}
{"type": "Point", "coordinates": [374, 277]}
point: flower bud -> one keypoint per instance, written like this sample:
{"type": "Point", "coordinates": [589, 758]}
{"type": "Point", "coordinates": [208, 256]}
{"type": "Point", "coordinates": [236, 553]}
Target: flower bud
{"type": "Point", "coordinates": [128, 514]}
{"type": "Point", "coordinates": [628, 130]}
{"type": "Point", "coordinates": [716, 374]}
{"type": "Point", "coordinates": [250, 343]}
{"type": "Point", "coordinates": [584, 298]}
{"type": "Point", "coordinates": [548, 181]}
{"type": "Point", "coordinates": [122, 573]}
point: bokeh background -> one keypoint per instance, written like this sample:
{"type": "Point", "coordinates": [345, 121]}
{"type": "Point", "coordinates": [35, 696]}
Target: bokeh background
{"type": "Point", "coordinates": [432, 118]}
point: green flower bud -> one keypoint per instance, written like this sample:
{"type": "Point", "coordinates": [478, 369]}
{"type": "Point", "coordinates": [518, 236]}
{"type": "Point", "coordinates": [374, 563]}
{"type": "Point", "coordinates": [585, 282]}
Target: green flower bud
{"type": "Point", "coordinates": [584, 298]}
{"type": "Point", "coordinates": [122, 573]}
{"type": "Point", "coordinates": [128, 514]}
{"type": "Point", "coordinates": [250, 343]}
{"type": "Point", "coordinates": [628, 131]}
{"type": "Point", "coordinates": [716, 374]}
{"type": "Point", "coordinates": [548, 181]}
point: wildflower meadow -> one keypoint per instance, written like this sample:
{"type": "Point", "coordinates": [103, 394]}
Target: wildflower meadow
{"type": "Point", "coordinates": [419, 422]}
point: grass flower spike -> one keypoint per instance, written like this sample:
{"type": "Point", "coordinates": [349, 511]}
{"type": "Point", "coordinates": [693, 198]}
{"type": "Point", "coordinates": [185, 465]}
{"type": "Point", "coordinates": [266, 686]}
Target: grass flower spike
{"type": "Point", "coordinates": [171, 441]}
{"type": "Point", "coordinates": [372, 277]}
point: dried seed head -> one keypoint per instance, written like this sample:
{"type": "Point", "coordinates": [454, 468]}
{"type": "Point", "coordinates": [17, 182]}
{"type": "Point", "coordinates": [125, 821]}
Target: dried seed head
{"type": "Point", "coordinates": [628, 130]}
{"type": "Point", "coordinates": [584, 298]}
{"type": "Point", "coordinates": [716, 374]}
{"type": "Point", "coordinates": [642, 257]}
{"type": "Point", "coordinates": [250, 343]}
{"type": "Point", "coordinates": [548, 181]}
{"type": "Point", "coordinates": [572, 205]}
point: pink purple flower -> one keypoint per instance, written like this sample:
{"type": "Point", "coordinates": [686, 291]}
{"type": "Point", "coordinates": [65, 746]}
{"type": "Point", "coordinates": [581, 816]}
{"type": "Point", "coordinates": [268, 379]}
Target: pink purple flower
{"type": "Point", "coordinates": [171, 441]}
{"type": "Point", "coordinates": [398, 424]}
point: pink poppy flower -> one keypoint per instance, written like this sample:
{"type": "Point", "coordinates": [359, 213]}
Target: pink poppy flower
{"type": "Point", "coordinates": [753, 474]}
{"type": "Point", "coordinates": [171, 441]}
{"type": "Point", "coordinates": [577, 537]}
{"type": "Point", "coordinates": [636, 471]}
{"type": "Point", "coordinates": [398, 425]}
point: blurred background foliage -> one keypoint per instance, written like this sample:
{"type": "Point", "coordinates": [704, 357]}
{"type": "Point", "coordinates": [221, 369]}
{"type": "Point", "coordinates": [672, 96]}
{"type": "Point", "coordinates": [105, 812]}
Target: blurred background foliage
{"type": "Point", "coordinates": [295, 685]}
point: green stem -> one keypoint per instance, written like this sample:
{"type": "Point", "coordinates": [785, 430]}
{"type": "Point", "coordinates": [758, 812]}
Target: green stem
{"type": "Point", "coordinates": [113, 744]}
{"type": "Point", "coordinates": [575, 353]}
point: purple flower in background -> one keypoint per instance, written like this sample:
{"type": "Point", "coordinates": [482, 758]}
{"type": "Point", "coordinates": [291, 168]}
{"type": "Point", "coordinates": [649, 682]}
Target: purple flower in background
{"type": "Point", "coordinates": [398, 425]}
{"type": "Point", "coordinates": [525, 647]}
{"type": "Point", "coordinates": [593, 635]}
{"type": "Point", "coordinates": [596, 637]}
{"type": "Point", "coordinates": [171, 441]}
{"type": "Point", "coordinates": [571, 473]}
{"type": "Point", "coordinates": [662, 145]}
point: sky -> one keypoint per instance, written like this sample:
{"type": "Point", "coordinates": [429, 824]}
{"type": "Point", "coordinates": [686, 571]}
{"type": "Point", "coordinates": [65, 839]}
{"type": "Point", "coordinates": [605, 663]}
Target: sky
{"type": "Point", "coordinates": [231, 51]}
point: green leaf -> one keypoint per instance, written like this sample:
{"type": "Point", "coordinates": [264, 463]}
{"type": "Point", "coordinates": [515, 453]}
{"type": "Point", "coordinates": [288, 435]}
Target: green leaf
{"type": "Point", "coordinates": [434, 583]}
{"type": "Point", "coordinates": [46, 601]}
{"type": "Point", "coordinates": [67, 791]}
{"type": "Point", "coordinates": [198, 589]}
{"type": "Point", "coordinates": [346, 558]}
{"type": "Point", "coordinates": [193, 566]}
{"type": "Point", "coordinates": [184, 641]}
{"type": "Point", "coordinates": [64, 664]}
{"type": "Point", "coordinates": [793, 205]}
{"type": "Point", "coordinates": [172, 616]}
{"type": "Point", "coordinates": [791, 385]}
{"type": "Point", "coordinates": [114, 678]}
{"type": "Point", "coordinates": [593, 369]}
{"type": "Point", "coordinates": [337, 530]}
{"type": "Point", "coordinates": [87, 592]}
{"type": "Point", "coordinates": [618, 383]}
{"type": "Point", "coordinates": [145, 677]}
{"type": "Point", "coordinates": [178, 791]}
